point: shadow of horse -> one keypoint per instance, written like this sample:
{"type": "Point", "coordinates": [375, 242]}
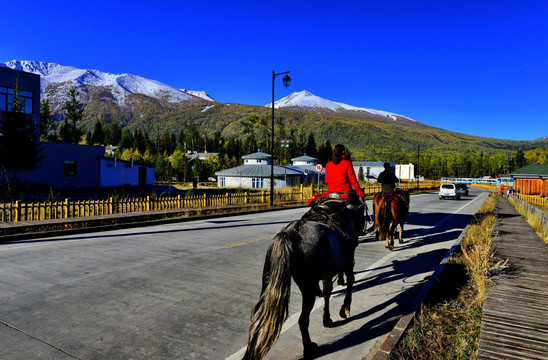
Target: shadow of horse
{"type": "Point", "coordinates": [316, 247]}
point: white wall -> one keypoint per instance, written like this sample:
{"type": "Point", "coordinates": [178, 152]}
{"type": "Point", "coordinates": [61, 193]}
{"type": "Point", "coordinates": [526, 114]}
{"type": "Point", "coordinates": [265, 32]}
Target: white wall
{"type": "Point", "coordinates": [247, 182]}
{"type": "Point", "coordinates": [405, 171]}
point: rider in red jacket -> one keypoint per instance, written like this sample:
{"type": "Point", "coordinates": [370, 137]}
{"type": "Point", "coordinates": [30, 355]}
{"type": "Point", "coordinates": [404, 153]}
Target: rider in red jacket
{"type": "Point", "coordinates": [339, 174]}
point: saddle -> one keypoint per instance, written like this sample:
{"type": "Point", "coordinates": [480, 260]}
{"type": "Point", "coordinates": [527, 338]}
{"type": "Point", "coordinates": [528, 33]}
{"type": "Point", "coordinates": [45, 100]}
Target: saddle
{"type": "Point", "coordinates": [330, 211]}
{"type": "Point", "coordinates": [398, 192]}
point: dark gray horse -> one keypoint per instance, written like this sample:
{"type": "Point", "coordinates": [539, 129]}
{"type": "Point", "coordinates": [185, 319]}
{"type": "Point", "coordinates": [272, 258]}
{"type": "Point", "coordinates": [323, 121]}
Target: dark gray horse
{"type": "Point", "coordinates": [317, 247]}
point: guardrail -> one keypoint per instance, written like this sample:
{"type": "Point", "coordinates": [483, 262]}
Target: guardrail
{"type": "Point", "coordinates": [66, 208]}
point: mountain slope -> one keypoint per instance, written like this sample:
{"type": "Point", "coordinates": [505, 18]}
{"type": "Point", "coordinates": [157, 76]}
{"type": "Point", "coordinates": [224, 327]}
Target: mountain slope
{"type": "Point", "coordinates": [155, 108]}
{"type": "Point", "coordinates": [120, 85]}
{"type": "Point", "coordinates": [304, 99]}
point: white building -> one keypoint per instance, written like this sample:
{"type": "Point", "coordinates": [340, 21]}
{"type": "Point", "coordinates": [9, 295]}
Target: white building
{"type": "Point", "coordinates": [371, 169]}
{"type": "Point", "coordinates": [307, 166]}
{"type": "Point", "coordinates": [405, 172]}
{"type": "Point", "coordinates": [255, 173]}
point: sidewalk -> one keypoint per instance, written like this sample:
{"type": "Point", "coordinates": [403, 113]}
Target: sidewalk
{"type": "Point", "coordinates": [514, 324]}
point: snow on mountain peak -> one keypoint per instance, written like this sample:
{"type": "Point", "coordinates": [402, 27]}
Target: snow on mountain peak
{"type": "Point", "coordinates": [306, 99]}
{"type": "Point", "coordinates": [200, 94]}
{"type": "Point", "coordinates": [121, 84]}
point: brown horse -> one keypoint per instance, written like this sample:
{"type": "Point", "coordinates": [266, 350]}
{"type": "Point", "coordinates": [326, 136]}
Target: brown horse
{"type": "Point", "coordinates": [391, 210]}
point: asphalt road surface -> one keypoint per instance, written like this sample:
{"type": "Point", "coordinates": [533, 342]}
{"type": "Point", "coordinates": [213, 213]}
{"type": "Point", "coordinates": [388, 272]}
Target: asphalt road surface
{"type": "Point", "coordinates": [185, 290]}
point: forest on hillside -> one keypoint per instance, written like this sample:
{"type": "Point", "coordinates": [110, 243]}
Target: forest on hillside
{"type": "Point", "coordinates": [159, 136]}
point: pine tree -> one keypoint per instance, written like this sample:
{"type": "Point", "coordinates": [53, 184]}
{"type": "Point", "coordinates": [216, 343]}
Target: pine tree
{"type": "Point", "coordinates": [311, 149]}
{"type": "Point", "coordinates": [47, 124]}
{"type": "Point", "coordinates": [98, 135]}
{"type": "Point", "coordinates": [74, 112]}
{"type": "Point", "coordinates": [20, 148]}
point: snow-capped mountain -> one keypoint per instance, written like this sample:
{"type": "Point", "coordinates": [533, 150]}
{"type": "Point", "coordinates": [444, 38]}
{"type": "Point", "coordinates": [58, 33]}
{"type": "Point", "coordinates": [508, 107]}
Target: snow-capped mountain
{"type": "Point", "coordinates": [120, 85]}
{"type": "Point", "coordinates": [306, 99]}
{"type": "Point", "coordinates": [200, 94]}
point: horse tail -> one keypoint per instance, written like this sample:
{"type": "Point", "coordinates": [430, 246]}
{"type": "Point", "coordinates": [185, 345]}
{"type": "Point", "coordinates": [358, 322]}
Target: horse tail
{"type": "Point", "coordinates": [270, 312]}
{"type": "Point", "coordinates": [384, 214]}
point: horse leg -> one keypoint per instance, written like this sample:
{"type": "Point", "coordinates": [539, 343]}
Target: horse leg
{"type": "Point", "coordinates": [389, 237]}
{"type": "Point", "coordinates": [340, 279]}
{"type": "Point", "coordinates": [327, 289]}
{"type": "Point", "coordinates": [309, 297]}
{"type": "Point", "coordinates": [401, 233]}
{"type": "Point", "coordinates": [345, 308]}
{"type": "Point", "coordinates": [393, 229]}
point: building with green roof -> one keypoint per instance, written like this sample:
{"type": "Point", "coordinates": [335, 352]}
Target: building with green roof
{"type": "Point", "coordinates": [532, 179]}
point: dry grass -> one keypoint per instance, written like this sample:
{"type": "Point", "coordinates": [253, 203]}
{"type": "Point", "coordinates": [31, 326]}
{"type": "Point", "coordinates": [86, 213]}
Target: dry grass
{"type": "Point", "coordinates": [449, 328]}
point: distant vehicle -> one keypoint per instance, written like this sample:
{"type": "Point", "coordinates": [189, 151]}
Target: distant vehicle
{"type": "Point", "coordinates": [449, 190]}
{"type": "Point", "coordinates": [463, 188]}
{"type": "Point", "coordinates": [505, 182]}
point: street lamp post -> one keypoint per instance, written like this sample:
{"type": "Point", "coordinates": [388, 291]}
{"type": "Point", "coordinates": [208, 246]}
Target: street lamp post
{"type": "Point", "coordinates": [285, 145]}
{"type": "Point", "coordinates": [286, 81]}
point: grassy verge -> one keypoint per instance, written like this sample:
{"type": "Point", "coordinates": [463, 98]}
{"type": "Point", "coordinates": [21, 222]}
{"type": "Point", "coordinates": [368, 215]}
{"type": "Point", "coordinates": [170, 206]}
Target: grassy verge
{"type": "Point", "coordinates": [448, 324]}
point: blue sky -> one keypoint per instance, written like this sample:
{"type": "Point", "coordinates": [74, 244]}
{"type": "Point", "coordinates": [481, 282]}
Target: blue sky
{"type": "Point", "coordinates": [476, 67]}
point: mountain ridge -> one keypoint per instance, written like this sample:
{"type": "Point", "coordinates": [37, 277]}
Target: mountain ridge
{"type": "Point", "coordinates": [370, 133]}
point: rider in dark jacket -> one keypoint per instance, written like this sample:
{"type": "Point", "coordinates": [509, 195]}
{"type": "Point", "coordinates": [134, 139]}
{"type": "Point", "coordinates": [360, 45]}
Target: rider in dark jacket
{"type": "Point", "coordinates": [387, 179]}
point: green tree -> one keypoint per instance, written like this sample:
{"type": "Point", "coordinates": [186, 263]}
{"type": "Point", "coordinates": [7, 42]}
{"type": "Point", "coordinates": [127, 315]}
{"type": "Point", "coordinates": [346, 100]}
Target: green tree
{"type": "Point", "coordinates": [177, 160]}
{"type": "Point", "coordinates": [325, 152]}
{"type": "Point", "coordinates": [162, 168]}
{"type": "Point", "coordinates": [113, 133]}
{"type": "Point", "coordinates": [126, 140]}
{"type": "Point", "coordinates": [19, 140]}
{"type": "Point", "coordinates": [47, 123]}
{"type": "Point", "coordinates": [98, 135]}
{"type": "Point", "coordinates": [198, 169]}
{"type": "Point", "coordinates": [74, 111]}
{"type": "Point", "coordinates": [311, 148]}
{"type": "Point", "coordinates": [361, 176]}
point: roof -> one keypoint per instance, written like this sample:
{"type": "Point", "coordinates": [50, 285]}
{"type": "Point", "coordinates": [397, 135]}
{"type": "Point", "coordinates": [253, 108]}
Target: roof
{"type": "Point", "coordinates": [256, 171]}
{"type": "Point", "coordinates": [370, 163]}
{"type": "Point", "coordinates": [305, 169]}
{"type": "Point", "coordinates": [531, 171]}
{"type": "Point", "coordinates": [258, 155]}
{"type": "Point", "coordinates": [305, 158]}
{"type": "Point", "coordinates": [200, 155]}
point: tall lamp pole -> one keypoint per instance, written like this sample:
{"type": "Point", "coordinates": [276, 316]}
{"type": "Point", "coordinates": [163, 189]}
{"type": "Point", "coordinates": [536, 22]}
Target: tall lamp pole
{"type": "Point", "coordinates": [286, 81]}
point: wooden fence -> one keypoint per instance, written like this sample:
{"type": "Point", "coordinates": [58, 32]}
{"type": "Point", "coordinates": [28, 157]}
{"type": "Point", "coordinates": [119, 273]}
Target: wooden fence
{"type": "Point", "coordinates": [532, 199]}
{"type": "Point", "coordinates": [22, 211]}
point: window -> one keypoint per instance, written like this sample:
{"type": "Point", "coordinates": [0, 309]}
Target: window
{"type": "Point", "coordinates": [69, 168]}
{"type": "Point", "coordinates": [222, 181]}
{"type": "Point", "coordinates": [257, 182]}
{"type": "Point", "coordinates": [6, 98]}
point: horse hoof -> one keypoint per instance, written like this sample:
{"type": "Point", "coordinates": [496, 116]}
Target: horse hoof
{"type": "Point", "coordinates": [345, 312]}
{"type": "Point", "coordinates": [401, 241]}
{"type": "Point", "coordinates": [328, 323]}
{"type": "Point", "coordinates": [311, 350]}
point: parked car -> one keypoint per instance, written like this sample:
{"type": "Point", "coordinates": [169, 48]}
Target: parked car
{"type": "Point", "coordinates": [463, 189]}
{"type": "Point", "coordinates": [449, 190]}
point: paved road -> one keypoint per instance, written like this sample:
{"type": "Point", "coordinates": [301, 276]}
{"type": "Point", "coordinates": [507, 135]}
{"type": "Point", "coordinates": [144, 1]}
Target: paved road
{"type": "Point", "coordinates": [185, 290]}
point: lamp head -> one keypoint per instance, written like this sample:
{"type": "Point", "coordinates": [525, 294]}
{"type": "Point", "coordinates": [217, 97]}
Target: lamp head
{"type": "Point", "coordinates": [286, 81]}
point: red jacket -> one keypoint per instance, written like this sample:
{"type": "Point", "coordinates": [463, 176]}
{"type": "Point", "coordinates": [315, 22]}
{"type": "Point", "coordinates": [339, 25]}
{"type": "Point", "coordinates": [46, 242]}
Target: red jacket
{"type": "Point", "coordinates": [341, 178]}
